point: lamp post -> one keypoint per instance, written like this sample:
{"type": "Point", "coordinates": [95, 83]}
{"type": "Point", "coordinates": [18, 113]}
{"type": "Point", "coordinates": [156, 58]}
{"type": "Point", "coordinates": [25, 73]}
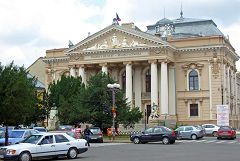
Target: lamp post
{"type": "Point", "coordinates": [113, 87]}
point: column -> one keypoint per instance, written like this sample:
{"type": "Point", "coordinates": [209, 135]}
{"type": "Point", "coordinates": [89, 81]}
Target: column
{"type": "Point", "coordinates": [104, 68]}
{"type": "Point", "coordinates": [172, 90]}
{"type": "Point", "coordinates": [72, 72]}
{"type": "Point", "coordinates": [224, 84]}
{"type": "Point", "coordinates": [154, 85]}
{"type": "Point", "coordinates": [138, 87]}
{"type": "Point", "coordinates": [210, 89]}
{"type": "Point", "coordinates": [82, 74]}
{"type": "Point", "coordinates": [129, 82]}
{"type": "Point", "coordinates": [164, 88]}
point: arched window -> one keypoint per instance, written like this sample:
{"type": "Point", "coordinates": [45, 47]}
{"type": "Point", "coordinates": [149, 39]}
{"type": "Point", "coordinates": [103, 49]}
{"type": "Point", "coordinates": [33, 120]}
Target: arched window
{"type": "Point", "coordinates": [124, 80]}
{"type": "Point", "coordinates": [148, 80]}
{"type": "Point", "coordinates": [193, 80]}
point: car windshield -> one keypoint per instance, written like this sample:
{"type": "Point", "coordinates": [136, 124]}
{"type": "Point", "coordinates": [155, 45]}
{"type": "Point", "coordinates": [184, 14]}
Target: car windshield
{"type": "Point", "coordinates": [16, 134]}
{"type": "Point", "coordinates": [167, 129]}
{"type": "Point", "coordinates": [225, 128]}
{"type": "Point", "coordinates": [94, 131]}
{"type": "Point", "coordinates": [33, 139]}
{"type": "Point", "coordinates": [41, 129]}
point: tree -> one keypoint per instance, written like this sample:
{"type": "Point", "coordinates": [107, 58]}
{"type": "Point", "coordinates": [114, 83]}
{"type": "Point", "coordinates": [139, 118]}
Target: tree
{"type": "Point", "coordinates": [67, 95]}
{"type": "Point", "coordinates": [99, 101]}
{"type": "Point", "coordinates": [17, 96]}
{"type": "Point", "coordinates": [91, 104]}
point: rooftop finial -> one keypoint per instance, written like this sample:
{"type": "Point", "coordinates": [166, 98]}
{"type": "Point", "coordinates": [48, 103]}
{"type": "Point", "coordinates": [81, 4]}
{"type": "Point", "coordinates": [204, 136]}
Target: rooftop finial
{"type": "Point", "coordinates": [181, 13]}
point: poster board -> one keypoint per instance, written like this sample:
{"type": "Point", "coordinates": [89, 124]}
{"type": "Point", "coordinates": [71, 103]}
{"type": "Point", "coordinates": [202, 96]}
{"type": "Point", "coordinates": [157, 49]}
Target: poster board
{"type": "Point", "coordinates": [222, 115]}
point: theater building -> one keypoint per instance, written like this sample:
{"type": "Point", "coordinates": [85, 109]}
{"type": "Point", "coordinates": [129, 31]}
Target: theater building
{"type": "Point", "coordinates": [179, 69]}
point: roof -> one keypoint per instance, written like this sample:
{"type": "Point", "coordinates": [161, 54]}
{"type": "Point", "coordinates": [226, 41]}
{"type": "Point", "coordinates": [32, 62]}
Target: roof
{"type": "Point", "coordinates": [188, 27]}
{"type": "Point", "coordinates": [38, 84]}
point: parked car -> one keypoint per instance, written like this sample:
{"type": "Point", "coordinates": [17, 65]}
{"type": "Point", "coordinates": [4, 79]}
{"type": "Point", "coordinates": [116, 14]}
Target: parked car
{"type": "Point", "coordinates": [202, 128]}
{"type": "Point", "coordinates": [44, 145]}
{"type": "Point", "coordinates": [226, 132]}
{"type": "Point", "coordinates": [40, 129]}
{"type": "Point", "coordinates": [154, 134]}
{"type": "Point", "coordinates": [210, 129]}
{"type": "Point", "coordinates": [97, 135]}
{"type": "Point", "coordinates": [189, 132]}
{"type": "Point", "coordinates": [70, 133]}
{"type": "Point", "coordinates": [18, 135]}
{"type": "Point", "coordinates": [10, 128]}
{"type": "Point", "coordinates": [65, 128]}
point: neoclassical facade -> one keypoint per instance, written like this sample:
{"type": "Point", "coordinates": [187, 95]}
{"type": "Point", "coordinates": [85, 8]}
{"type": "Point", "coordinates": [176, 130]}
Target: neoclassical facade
{"type": "Point", "coordinates": [178, 69]}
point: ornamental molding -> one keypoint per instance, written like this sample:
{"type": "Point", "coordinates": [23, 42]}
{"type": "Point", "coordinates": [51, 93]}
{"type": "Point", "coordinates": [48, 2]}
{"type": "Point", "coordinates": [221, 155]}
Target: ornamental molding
{"type": "Point", "coordinates": [192, 65]}
{"type": "Point", "coordinates": [215, 64]}
{"type": "Point", "coordinates": [56, 59]}
{"type": "Point", "coordinates": [115, 41]}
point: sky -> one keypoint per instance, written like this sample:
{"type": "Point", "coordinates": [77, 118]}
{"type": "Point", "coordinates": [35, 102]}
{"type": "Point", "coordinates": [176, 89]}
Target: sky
{"type": "Point", "coordinates": [30, 27]}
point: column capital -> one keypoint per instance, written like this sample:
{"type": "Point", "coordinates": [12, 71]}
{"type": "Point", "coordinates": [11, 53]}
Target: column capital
{"type": "Point", "coordinates": [153, 61]}
{"type": "Point", "coordinates": [102, 64]}
{"type": "Point", "coordinates": [72, 66]}
{"type": "Point", "coordinates": [164, 60]}
{"type": "Point", "coordinates": [127, 62]}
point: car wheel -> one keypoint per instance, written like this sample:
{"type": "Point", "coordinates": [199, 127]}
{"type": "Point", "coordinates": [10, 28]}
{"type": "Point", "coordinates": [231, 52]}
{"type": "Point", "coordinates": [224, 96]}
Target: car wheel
{"type": "Point", "coordinates": [165, 140]}
{"type": "Point", "coordinates": [72, 153]}
{"type": "Point", "coordinates": [25, 156]}
{"type": "Point", "coordinates": [193, 137]}
{"type": "Point", "coordinates": [219, 138]}
{"type": "Point", "coordinates": [214, 133]}
{"type": "Point", "coordinates": [136, 140]}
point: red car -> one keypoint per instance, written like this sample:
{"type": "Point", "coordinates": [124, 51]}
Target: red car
{"type": "Point", "coordinates": [226, 132]}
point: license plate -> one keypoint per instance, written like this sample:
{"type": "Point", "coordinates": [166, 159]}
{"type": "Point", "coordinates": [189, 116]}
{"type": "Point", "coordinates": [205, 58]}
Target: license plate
{"type": "Point", "coordinates": [1, 156]}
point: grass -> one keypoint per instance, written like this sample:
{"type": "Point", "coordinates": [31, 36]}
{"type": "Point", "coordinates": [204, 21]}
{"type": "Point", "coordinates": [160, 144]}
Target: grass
{"type": "Point", "coordinates": [117, 137]}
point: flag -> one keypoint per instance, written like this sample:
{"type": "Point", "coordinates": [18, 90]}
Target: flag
{"type": "Point", "coordinates": [117, 17]}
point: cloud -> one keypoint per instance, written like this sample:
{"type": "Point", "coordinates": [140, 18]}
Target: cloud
{"type": "Point", "coordinates": [28, 28]}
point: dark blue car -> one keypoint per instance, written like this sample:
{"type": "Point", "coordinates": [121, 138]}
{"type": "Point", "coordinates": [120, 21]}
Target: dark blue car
{"type": "Point", "coordinates": [155, 134]}
{"type": "Point", "coordinates": [16, 136]}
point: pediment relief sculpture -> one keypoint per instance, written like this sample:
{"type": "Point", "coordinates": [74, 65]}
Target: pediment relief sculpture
{"type": "Point", "coordinates": [115, 42]}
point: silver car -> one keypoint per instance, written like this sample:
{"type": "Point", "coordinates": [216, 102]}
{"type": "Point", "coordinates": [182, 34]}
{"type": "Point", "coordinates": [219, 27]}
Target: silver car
{"type": "Point", "coordinates": [189, 132]}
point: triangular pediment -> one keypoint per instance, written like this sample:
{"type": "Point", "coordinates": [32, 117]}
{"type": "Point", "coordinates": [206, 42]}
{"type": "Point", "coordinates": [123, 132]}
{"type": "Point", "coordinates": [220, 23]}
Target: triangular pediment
{"type": "Point", "coordinates": [114, 37]}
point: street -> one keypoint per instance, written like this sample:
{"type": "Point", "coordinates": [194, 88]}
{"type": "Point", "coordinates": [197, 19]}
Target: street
{"type": "Point", "coordinates": [206, 149]}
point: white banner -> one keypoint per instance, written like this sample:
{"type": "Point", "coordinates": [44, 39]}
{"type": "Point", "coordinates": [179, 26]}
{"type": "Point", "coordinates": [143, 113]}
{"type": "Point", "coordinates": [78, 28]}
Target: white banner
{"type": "Point", "coordinates": [222, 115]}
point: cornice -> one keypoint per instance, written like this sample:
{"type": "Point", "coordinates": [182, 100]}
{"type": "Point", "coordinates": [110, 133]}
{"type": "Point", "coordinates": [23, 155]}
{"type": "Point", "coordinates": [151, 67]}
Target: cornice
{"type": "Point", "coordinates": [110, 50]}
{"type": "Point", "coordinates": [56, 59]}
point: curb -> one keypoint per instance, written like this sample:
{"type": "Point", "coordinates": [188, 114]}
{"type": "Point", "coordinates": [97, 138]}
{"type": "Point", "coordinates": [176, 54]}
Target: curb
{"type": "Point", "coordinates": [116, 141]}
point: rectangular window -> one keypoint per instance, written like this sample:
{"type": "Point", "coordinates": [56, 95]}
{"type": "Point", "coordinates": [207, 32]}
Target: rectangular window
{"type": "Point", "coordinates": [193, 110]}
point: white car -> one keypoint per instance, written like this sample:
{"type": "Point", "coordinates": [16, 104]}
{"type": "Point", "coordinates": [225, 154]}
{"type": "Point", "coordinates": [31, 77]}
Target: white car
{"type": "Point", "coordinates": [210, 129]}
{"type": "Point", "coordinates": [44, 145]}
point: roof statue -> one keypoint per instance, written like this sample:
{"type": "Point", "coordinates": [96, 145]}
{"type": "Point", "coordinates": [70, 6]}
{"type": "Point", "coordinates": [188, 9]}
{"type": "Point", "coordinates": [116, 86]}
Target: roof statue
{"type": "Point", "coordinates": [70, 44]}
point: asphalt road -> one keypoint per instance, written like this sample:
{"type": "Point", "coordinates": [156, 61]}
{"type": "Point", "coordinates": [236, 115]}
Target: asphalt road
{"type": "Point", "coordinates": [207, 149]}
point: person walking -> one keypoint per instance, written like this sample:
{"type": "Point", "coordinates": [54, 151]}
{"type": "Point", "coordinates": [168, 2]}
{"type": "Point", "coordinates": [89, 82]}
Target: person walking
{"type": "Point", "coordinates": [87, 132]}
{"type": "Point", "coordinates": [78, 131]}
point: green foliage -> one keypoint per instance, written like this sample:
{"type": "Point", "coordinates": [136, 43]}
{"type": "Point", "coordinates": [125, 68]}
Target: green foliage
{"type": "Point", "coordinates": [92, 104]}
{"type": "Point", "coordinates": [17, 95]}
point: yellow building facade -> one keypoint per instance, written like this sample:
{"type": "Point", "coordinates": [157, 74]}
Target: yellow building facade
{"type": "Point", "coordinates": [178, 69]}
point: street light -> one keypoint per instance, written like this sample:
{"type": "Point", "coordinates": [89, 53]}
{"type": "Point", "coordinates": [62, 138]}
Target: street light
{"type": "Point", "coordinates": [113, 87]}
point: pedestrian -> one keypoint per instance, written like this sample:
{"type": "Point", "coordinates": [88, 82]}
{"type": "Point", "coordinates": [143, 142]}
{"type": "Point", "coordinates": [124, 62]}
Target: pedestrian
{"type": "Point", "coordinates": [87, 132]}
{"type": "Point", "coordinates": [109, 133]}
{"type": "Point", "coordinates": [78, 131]}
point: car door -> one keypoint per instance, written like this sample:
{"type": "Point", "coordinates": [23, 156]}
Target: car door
{"type": "Point", "coordinates": [46, 147]}
{"type": "Point", "coordinates": [62, 144]}
{"type": "Point", "coordinates": [188, 131]}
{"type": "Point", "coordinates": [157, 134]}
{"type": "Point", "coordinates": [209, 129]}
{"type": "Point", "coordinates": [147, 135]}
{"type": "Point", "coordinates": [180, 131]}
